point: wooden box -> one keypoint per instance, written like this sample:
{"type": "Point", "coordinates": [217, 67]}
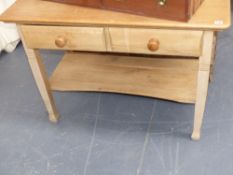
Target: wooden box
{"type": "Point", "coordinates": [180, 10]}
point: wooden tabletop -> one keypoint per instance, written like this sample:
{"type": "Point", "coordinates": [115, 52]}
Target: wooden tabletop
{"type": "Point", "coordinates": [213, 14]}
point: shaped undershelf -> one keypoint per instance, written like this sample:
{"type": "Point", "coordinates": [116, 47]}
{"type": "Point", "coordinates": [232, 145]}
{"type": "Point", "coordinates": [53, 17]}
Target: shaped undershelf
{"type": "Point", "coordinates": [166, 78]}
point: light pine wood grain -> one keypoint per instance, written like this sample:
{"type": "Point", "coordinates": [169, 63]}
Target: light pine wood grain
{"type": "Point", "coordinates": [49, 25]}
{"type": "Point", "coordinates": [173, 79]}
{"type": "Point", "coordinates": [171, 42]}
{"type": "Point", "coordinates": [77, 38]}
{"type": "Point", "coordinates": [213, 14]}
{"type": "Point", "coordinates": [202, 83]}
{"type": "Point", "coordinates": [41, 79]}
{"type": "Point", "coordinates": [126, 40]}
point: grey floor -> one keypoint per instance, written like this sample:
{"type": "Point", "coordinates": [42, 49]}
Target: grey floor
{"type": "Point", "coordinates": [112, 134]}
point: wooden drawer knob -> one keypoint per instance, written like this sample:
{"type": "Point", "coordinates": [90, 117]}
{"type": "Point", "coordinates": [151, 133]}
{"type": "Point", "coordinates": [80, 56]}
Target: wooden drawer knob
{"type": "Point", "coordinates": [61, 42]}
{"type": "Point", "coordinates": [153, 45]}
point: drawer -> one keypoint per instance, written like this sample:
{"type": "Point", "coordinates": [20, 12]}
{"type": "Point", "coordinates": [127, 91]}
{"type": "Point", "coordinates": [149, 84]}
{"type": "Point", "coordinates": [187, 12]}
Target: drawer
{"type": "Point", "coordinates": [64, 38]}
{"type": "Point", "coordinates": [156, 41]}
{"type": "Point", "coordinates": [173, 9]}
{"type": "Point", "coordinates": [170, 9]}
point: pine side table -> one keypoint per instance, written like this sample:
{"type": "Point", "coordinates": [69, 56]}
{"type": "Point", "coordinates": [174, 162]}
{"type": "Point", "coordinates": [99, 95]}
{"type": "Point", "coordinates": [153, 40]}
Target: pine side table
{"type": "Point", "coordinates": [117, 52]}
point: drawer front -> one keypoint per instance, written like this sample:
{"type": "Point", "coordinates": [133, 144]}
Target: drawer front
{"type": "Point", "coordinates": [170, 9]}
{"type": "Point", "coordinates": [156, 41]}
{"type": "Point", "coordinates": [64, 38]}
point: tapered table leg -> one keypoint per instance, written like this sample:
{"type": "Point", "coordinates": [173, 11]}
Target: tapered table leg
{"type": "Point", "coordinates": [203, 82]}
{"type": "Point", "coordinates": [41, 79]}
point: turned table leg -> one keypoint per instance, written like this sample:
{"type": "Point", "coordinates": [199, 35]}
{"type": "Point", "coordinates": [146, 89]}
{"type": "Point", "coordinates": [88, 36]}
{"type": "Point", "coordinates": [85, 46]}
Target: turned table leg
{"type": "Point", "coordinates": [41, 79]}
{"type": "Point", "coordinates": [202, 82]}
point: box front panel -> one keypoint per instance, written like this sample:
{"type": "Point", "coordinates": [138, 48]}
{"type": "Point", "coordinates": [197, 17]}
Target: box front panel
{"type": "Point", "coordinates": [170, 9]}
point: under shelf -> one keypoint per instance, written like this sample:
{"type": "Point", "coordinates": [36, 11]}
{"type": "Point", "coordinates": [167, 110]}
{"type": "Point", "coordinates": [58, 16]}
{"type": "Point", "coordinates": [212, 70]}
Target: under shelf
{"type": "Point", "coordinates": [166, 78]}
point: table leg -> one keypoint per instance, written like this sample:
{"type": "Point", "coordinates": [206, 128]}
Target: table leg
{"type": "Point", "coordinates": [42, 81]}
{"type": "Point", "coordinates": [202, 82]}
{"type": "Point", "coordinates": [213, 59]}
